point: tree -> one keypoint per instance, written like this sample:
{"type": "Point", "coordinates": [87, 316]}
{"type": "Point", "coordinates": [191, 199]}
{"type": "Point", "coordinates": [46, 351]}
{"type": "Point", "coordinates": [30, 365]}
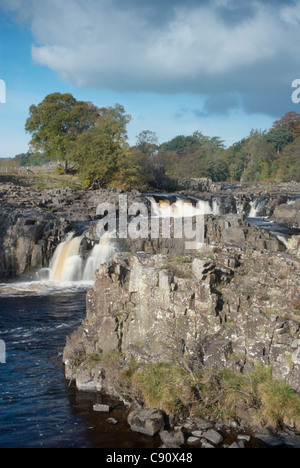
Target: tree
{"type": "Point", "coordinates": [31, 159]}
{"type": "Point", "coordinates": [290, 121]}
{"type": "Point", "coordinates": [55, 124]}
{"type": "Point", "coordinates": [289, 164]}
{"type": "Point", "coordinates": [103, 154]}
{"type": "Point", "coordinates": [279, 137]}
{"type": "Point", "coordinates": [147, 143]}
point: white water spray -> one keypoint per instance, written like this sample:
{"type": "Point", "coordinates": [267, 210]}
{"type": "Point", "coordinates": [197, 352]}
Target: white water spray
{"type": "Point", "coordinates": [67, 264]}
{"type": "Point", "coordinates": [182, 208]}
{"type": "Point", "coordinates": [100, 254]}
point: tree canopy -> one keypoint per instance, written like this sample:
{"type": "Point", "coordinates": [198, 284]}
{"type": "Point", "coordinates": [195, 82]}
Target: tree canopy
{"type": "Point", "coordinates": [94, 142]}
{"type": "Point", "coordinates": [55, 124]}
{"type": "Point", "coordinates": [103, 152]}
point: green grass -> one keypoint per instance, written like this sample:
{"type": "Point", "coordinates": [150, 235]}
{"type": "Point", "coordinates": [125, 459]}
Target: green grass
{"type": "Point", "coordinates": [43, 181]}
{"type": "Point", "coordinates": [163, 386]}
{"type": "Point", "coordinates": [209, 393]}
{"type": "Point", "coordinates": [274, 401]}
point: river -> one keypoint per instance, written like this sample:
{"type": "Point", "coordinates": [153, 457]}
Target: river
{"type": "Point", "coordinates": [37, 408]}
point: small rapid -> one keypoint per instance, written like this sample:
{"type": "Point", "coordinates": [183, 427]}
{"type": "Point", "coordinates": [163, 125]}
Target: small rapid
{"type": "Point", "coordinates": [68, 271]}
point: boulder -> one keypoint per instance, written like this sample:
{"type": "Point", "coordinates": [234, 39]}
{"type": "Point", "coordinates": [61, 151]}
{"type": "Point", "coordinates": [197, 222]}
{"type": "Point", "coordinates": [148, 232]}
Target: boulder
{"type": "Point", "coordinates": [213, 436]}
{"type": "Point", "coordinates": [172, 439]}
{"type": "Point", "coordinates": [148, 421]}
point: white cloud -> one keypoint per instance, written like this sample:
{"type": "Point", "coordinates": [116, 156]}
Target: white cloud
{"type": "Point", "coordinates": [193, 48]}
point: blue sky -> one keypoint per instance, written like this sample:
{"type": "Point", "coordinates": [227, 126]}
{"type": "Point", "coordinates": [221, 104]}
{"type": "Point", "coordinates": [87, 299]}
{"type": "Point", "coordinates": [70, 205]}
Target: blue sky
{"type": "Point", "coordinates": [222, 67]}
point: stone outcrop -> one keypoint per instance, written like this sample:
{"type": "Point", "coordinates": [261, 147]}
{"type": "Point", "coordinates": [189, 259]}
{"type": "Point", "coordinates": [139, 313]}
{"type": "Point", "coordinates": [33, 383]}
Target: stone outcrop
{"type": "Point", "coordinates": [27, 241]}
{"type": "Point", "coordinates": [148, 421]}
{"type": "Point", "coordinates": [220, 308]}
{"type": "Point", "coordinates": [288, 214]}
{"type": "Point", "coordinates": [33, 221]}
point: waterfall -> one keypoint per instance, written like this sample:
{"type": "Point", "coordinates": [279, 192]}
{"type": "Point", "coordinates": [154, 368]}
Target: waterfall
{"type": "Point", "coordinates": [182, 207]}
{"type": "Point", "coordinates": [68, 266]}
{"type": "Point", "coordinates": [258, 208]}
{"type": "Point", "coordinates": [253, 210]}
{"type": "Point", "coordinates": [100, 254]}
{"type": "Point", "coordinates": [283, 239]}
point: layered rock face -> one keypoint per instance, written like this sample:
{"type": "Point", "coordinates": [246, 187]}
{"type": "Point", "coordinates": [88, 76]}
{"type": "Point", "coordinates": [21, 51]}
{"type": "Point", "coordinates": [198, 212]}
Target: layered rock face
{"type": "Point", "coordinates": [221, 307]}
{"type": "Point", "coordinates": [28, 241]}
{"type": "Point", "coordinates": [288, 214]}
{"type": "Point", "coordinates": [33, 222]}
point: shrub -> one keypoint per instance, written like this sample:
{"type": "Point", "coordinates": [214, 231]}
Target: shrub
{"type": "Point", "coordinates": [165, 387]}
{"type": "Point", "coordinates": [279, 404]}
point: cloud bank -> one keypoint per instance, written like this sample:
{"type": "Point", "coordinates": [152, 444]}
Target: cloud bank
{"type": "Point", "coordinates": [235, 52]}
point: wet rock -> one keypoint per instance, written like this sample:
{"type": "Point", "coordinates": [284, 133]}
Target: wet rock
{"type": "Point", "coordinates": [193, 440]}
{"type": "Point", "coordinates": [89, 380]}
{"type": "Point", "coordinates": [198, 434]}
{"type": "Point", "coordinates": [290, 439]}
{"type": "Point", "coordinates": [235, 445]}
{"type": "Point", "coordinates": [147, 421]}
{"type": "Point", "coordinates": [206, 445]}
{"type": "Point", "coordinates": [112, 421]}
{"type": "Point", "coordinates": [270, 440]}
{"type": "Point", "coordinates": [101, 408]}
{"type": "Point", "coordinates": [213, 436]}
{"type": "Point", "coordinates": [245, 438]}
{"type": "Point", "coordinates": [173, 439]}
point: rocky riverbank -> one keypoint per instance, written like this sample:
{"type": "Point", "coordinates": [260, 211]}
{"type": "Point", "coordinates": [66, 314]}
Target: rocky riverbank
{"type": "Point", "coordinates": [204, 336]}
{"type": "Point", "coordinates": [35, 221]}
{"type": "Point", "coordinates": [222, 326]}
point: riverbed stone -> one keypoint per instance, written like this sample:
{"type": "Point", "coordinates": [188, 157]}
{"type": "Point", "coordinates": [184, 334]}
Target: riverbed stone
{"type": "Point", "coordinates": [148, 421]}
{"type": "Point", "coordinates": [270, 440]}
{"type": "Point", "coordinates": [206, 445]}
{"type": "Point", "coordinates": [213, 436]}
{"type": "Point", "coordinates": [101, 408]}
{"type": "Point", "coordinates": [193, 440]}
{"type": "Point", "coordinates": [172, 439]}
{"type": "Point", "coordinates": [89, 380]}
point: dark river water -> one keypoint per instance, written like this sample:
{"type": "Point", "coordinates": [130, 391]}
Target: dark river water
{"type": "Point", "coordinates": [37, 408]}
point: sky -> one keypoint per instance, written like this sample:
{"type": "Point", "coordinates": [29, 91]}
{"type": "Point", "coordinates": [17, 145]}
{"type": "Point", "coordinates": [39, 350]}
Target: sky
{"type": "Point", "coordinates": [222, 67]}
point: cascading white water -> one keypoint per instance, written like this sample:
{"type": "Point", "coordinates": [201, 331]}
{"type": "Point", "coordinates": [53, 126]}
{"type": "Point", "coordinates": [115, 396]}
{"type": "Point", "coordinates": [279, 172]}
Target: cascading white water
{"type": "Point", "coordinates": [67, 271]}
{"type": "Point", "coordinates": [258, 207]}
{"type": "Point", "coordinates": [100, 254]}
{"type": "Point", "coordinates": [253, 210]}
{"type": "Point", "coordinates": [182, 208]}
{"type": "Point", "coordinates": [67, 264]}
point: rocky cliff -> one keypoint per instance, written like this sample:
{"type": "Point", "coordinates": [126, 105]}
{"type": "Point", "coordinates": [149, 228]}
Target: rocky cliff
{"type": "Point", "coordinates": [34, 222]}
{"type": "Point", "coordinates": [221, 307]}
